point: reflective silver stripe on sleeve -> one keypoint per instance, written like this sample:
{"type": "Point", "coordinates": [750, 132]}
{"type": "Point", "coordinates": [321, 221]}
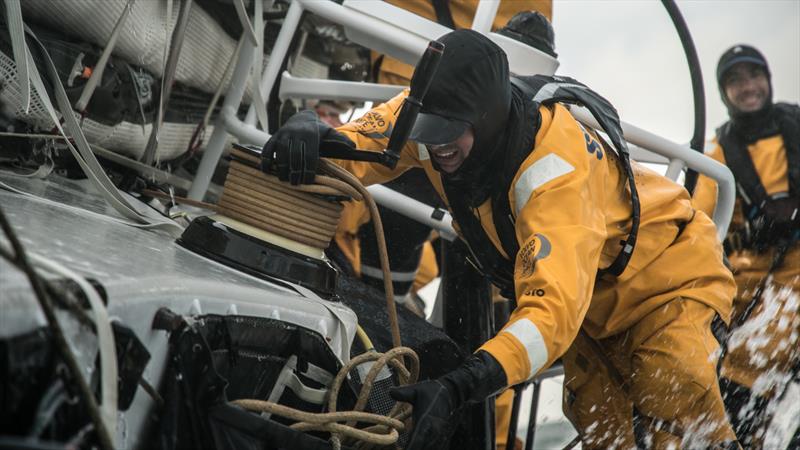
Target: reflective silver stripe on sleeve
{"type": "Point", "coordinates": [548, 90]}
{"type": "Point", "coordinates": [423, 152]}
{"type": "Point", "coordinates": [374, 272]}
{"type": "Point", "coordinates": [529, 336]}
{"type": "Point", "coordinates": [546, 169]}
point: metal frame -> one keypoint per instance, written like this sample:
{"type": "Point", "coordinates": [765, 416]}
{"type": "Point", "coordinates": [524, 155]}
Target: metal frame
{"type": "Point", "coordinates": [370, 23]}
{"type": "Point", "coordinates": [294, 87]}
{"type": "Point", "coordinates": [679, 156]}
{"type": "Point", "coordinates": [513, 426]}
{"type": "Point", "coordinates": [436, 218]}
{"type": "Point", "coordinates": [375, 23]}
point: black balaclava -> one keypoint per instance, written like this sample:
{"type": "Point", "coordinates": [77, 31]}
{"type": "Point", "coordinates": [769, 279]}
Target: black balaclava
{"type": "Point", "coordinates": [749, 125]}
{"type": "Point", "coordinates": [472, 85]}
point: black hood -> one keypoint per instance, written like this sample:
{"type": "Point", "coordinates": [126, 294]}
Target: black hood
{"type": "Point", "coordinates": [472, 85]}
{"type": "Point", "coordinates": [749, 122]}
{"type": "Point", "coordinates": [532, 28]}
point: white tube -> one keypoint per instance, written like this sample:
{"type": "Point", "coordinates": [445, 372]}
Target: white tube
{"type": "Point", "coordinates": [216, 143]}
{"type": "Point", "coordinates": [245, 132]}
{"type": "Point", "coordinates": [484, 15]}
{"type": "Point", "coordinates": [278, 54]}
{"type": "Point", "coordinates": [674, 169]}
{"type": "Point", "coordinates": [413, 209]}
{"type": "Point", "coordinates": [293, 87]}
{"type": "Point", "coordinates": [407, 42]}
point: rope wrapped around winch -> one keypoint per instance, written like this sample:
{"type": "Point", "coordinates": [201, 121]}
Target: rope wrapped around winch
{"type": "Point", "coordinates": [306, 213]}
{"type": "Point", "coordinates": [309, 214]}
{"type": "Point", "coordinates": [298, 213]}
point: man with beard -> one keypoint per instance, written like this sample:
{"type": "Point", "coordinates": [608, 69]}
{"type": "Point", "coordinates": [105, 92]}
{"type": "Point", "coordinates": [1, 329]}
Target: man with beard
{"type": "Point", "coordinates": [622, 286]}
{"type": "Point", "coordinates": [761, 145]}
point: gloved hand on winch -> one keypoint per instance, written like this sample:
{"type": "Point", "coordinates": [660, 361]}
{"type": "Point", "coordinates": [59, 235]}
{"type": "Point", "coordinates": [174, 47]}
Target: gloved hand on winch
{"type": "Point", "coordinates": [435, 402]}
{"type": "Point", "coordinates": [292, 153]}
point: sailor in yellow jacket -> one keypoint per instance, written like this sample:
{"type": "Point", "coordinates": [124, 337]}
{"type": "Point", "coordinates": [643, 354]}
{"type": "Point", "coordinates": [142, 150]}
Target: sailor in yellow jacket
{"type": "Point", "coordinates": [646, 344]}
{"type": "Point", "coordinates": [760, 143]}
{"type": "Point", "coordinates": [411, 255]}
{"type": "Point", "coordinates": [455, 14]}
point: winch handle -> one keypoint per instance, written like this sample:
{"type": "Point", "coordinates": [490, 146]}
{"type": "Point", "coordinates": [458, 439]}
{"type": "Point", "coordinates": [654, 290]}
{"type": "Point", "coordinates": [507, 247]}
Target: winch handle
{"type": "Point", "coordinates": [420, 82]}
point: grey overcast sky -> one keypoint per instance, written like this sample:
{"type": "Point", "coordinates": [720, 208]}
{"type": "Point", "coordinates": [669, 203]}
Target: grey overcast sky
{"type": "Point", "coordinates": [628, 51]}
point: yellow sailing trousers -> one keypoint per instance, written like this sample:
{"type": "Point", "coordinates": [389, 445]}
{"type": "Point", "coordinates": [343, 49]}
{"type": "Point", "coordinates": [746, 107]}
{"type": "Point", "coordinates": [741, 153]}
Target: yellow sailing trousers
{"type": "Point", "coordinates": [767, 346]}
{"type": "Point", "coordinates": [667, 364]}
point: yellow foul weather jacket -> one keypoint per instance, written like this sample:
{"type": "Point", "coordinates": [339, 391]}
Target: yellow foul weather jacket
{"type": "Point", "coordinates": [571, 209]}
{"type": "Point", "coordinates": [769, 159]}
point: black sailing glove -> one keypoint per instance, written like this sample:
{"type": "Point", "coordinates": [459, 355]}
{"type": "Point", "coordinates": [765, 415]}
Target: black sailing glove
{"type": "Point", "coordinates": [778, 221]}
{"type": "Point", "coordinates": [292, 153]}
{"type": "Point", "coordinates": [436, 401]}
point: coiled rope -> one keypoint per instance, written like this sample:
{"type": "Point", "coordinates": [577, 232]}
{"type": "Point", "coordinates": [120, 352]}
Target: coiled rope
{"type": "Point", "coordinates": [306, 213]}
{"type": "Point", "coordinates": [299, 213]}
{"type": "Point", "coordinates": [382, 430]}
{"type": "Point", "coordinates": [309, 214]}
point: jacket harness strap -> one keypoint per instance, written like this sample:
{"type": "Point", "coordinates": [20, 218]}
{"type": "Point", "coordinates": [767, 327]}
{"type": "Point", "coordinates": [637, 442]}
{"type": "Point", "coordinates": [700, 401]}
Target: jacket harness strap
{"type": "Point", "coordinates": [548, 90]}
{"type": "Point", "coordinates": [760, 212]}
{"type": "Point", "coordinates": [541, 90]}
{"type": "Point", "coordinates": [443, 14]}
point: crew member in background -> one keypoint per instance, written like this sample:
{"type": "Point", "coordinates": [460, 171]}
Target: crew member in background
{"type": "Point", "coordinates": [544, 206]}
{"type": "Point", "coordinates": [761, 145]}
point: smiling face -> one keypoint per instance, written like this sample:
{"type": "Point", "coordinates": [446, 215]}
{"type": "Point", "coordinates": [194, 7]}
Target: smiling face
{"type": "Point", "coordinates": [449, 157]}
{"type": "Point", "coordinates": [747, 87]}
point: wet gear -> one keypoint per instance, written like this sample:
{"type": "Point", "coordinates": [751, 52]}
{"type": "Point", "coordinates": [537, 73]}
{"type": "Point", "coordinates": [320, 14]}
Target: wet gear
{"type": "Point", "coordinates": [556, 288]}
{"type": "Point", "coordinates": [762, 149]}
{"type": "Point", "coordinates": [533, 29]}
{"type": "Point", "coordinates": [556, 252]}
{"type": "Point", "coordinates": [529, 93]}
{"type": "Point", "coordinates": [435, 401]}
{"type": "Point", "coordinates": [292, 153]}
{"type": "Point", "coordinates": [570, 204]}
{"type": "Point", "coordinates": [771, 219]}
{"type": "Point", "coordinates": [479, 98]}
{"type": "Point", "coordinates": [776, 313]}
{"type": "Point", "coordinates": [549, 90]}
{"type": "Point", "coordinates": [667, 362]}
